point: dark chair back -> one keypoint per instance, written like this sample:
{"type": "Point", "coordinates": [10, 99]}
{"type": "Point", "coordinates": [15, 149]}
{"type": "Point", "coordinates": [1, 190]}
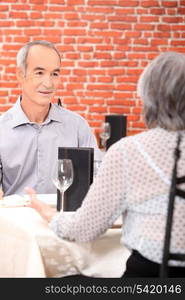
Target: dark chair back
{"type": "Point", "coordinates": [174, 191]}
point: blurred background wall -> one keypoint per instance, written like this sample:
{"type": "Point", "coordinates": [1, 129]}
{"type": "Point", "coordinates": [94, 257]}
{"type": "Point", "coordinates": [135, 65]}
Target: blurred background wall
{"type": "Point", "coordinates": [104, 46]}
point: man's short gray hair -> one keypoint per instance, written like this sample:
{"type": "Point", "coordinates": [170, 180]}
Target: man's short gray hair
{"type": "Point", "coordinates": [23, 52]}
{"type": "Point", "coordinates": [162, 89]}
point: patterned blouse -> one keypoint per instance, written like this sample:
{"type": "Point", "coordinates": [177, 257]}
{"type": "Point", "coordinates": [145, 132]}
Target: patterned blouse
{"type": "Point", "coordinates": [133, 181]}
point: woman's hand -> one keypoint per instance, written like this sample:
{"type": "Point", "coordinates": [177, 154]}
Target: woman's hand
{"type": "Point", "coordinates": [42, 208]}
{"type": "Point", "coordinates": [1, 194]}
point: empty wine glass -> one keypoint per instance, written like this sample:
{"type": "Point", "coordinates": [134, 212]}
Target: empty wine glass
{"type": "Point", "coordinates": [63, 179]}
{"type": "Point", "coordinates": [105, 132]}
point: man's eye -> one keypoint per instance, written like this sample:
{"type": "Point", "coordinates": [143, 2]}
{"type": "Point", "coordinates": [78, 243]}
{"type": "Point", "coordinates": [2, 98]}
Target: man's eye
{"type": "Point", "coordinates": [56, 74]}
{"type": "Point", "coordinates": [39, 73]}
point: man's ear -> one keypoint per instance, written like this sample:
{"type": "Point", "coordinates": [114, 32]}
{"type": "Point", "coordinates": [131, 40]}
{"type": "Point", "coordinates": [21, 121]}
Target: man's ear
{"type": "Point", "coordinates": [20, 75]}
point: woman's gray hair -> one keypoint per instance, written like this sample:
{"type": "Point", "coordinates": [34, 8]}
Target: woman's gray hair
{"type": "Point", "coordinates": [162, 89]}
{"type": "Point", "coordinates": [23, 52]}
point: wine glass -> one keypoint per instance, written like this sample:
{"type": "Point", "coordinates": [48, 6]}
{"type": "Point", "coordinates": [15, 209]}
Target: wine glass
{"type": "Point", "coordinates": [64, 179]}
{"type": "Point", "coordinates": [105, 132]}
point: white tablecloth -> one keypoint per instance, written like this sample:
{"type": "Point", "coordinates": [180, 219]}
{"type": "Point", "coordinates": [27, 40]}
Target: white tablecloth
{"type": "Point", "coordinates": [29, 248]}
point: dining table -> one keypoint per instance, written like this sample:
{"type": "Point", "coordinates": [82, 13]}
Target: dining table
{"type": "Point", "coordinates": [30, 249]}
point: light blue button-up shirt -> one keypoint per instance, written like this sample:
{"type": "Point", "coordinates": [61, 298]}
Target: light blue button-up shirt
{"type": "Point", "coordinates": [29, 151]}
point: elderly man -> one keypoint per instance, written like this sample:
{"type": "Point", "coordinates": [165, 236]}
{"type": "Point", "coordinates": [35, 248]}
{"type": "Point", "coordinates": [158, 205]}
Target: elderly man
{"type": "Point", "coordinates": [33, 129]}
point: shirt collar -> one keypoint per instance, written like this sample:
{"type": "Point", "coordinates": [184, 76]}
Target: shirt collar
{"type": "Point", "coordinates": [20, 118]}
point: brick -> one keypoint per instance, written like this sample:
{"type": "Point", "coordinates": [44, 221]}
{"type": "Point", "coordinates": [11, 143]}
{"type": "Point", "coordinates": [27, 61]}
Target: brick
{"type": "Point", "coordinates": [21, 39]}
{"type": "Point", "coordinates": [102, 55]}
{"type": "Point", "coordinates": [108, 33]}
{"type": "Point", "coordinates": [98, 109]}
{"type": "Point", "coordinates": [32, 32]}
{"type": "Point", "coordinates": [3, 16]}
{"type": "Point", "coordinates": [181, 10]}
{"type": "Point", "coordinates": [99, 25]}
{"type": "Point", "coordinates": [85, 48]}
{"type": "Point", "coordinates": [173, 19]}
{"type": "Point", "coordinates": [18, 15]}
{"type": "Point", "coordinates": [6, 24]}
{"type": "Point", "coordinates": [92, 17]}
{"type": "Point", "coordinates": [44, 23]}
{"type": "Point", "coordinates": [141, 41]}
{"type": "Point", "coordinates": [91, 102]}
{"type": "Point", "coordinates": [4, 107]}
{"type": "Point", "coordinates": [78, 79]}
{"type": "Point", "coordinates": [71, 16]}
{"type": "Point", "coordinates": [149, 19]}
{"type": "Point", "coordinates": [36, 15]}
{"type": "Point", "coordinates": [105, 46]}
{"type": "Point", "coordinates": [170, 3]}
{"type": "Point", "coordinates": [132, 79]}
{"type": "Point", "coordinates": [126, 87]}
{"type": "Point", "coordinates": [3, 93]}
{"type": "Point", "coordinates": [76, 24]}
{"type": "Point", "coordinates": [144, 27]}
{"type": "Point", "coordinates": [137, 110]}
{"type": "Point", "coordinates": [77, 107]}
{"type": "Point", "coordinates": [52, 16]}
{"type": "Point", "coordinates": [99, 87]}
{"type": "Point", "coordinates": [128, 3]}
{"type": "Point", "coordinates": [70, 100]}
{"type": "Point", "coordinates": [116, 72]}
{"type": "Point", "coordinates": [20, 7]}
{"type": "Point", "coordinates": [101, 2]}
{"type": "Point", "coordinates": [132, 34]}
{"type": "Point", "coordinates": [88, 64]}
{"type": "Point", "coordinates": [149, 3]}
{"type": "Point", "coordinates": [138, 125]}
{"type": "Point", "coordinates": [73, 56]}
{"type": "Point", "coordinates": [163, 27]}
{"type": "Point", "coordinates": [163, 34]}
{"type": "Point", "coordinates": [178, 43]}
{"type": "Point", "coordinates": [121, 102]}
{"type": "Point", "coordinates": [74, 32]}
{"type": "Point", "coordinates": [105, 79]}
{"type": "Point", "coordinates": [52, 32]}
{"type": "Point", "coordinates": [125, 95]}
{"type": "Point", "coordinates": [109, 63]}
{"type": "Point", "coordinates": [157, 11]}
{"type": "Point", "coordinates": [159, 42]}
{"type": "Point", "coordinates": [133, 118]}
{"type": "Point", "coordinates": [38, 7]}
{"type": "Point", "coordinates": [97, 10]}
{"type": "Point", "coordinates": [2, 101]}
{"type": "Point", "coordinates": [57, 2]}
{"type": "Point", "coordinates": [79, 72]}
{"type": "Point", "coordinates": [99, 94]}
{"type": "Point", "coordinates": [25, 23]}
{"type": "Point", "coordinates": [75, 2]}
{"type": "Point", "coordinates": [121, 26]}
{"type": "Point", "coordinates": [4, 7]}
{"type": "Point", "coordinates": [10, 47]}
{"type": "Point", "coordinates": [119, 110]}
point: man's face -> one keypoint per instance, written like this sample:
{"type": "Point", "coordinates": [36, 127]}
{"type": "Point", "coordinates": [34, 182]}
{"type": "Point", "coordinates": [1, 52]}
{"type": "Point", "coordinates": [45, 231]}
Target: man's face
{"type": "Point", "coordinates": [40, 80]}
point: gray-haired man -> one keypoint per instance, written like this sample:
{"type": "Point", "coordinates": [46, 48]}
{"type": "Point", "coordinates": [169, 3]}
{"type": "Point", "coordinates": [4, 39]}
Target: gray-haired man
{"type": "Point", "coordinates": [33, 129]}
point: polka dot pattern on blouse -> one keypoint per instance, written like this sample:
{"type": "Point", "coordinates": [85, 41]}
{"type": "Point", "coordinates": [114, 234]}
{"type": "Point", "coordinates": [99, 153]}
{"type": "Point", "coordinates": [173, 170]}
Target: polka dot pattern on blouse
{"type": "Point", "coordinates": [133, 181]}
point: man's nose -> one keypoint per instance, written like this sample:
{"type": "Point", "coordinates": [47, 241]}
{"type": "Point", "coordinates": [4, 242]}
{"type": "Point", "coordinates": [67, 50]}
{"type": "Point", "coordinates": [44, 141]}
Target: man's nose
{"type": "Point", "coordinates": [47, 82]}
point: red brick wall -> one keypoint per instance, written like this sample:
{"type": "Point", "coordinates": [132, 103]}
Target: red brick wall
{"type": "Point", "coordinates": [104, 44]}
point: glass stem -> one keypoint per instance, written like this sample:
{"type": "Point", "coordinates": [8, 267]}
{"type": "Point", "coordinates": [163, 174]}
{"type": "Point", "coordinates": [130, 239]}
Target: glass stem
{"type": "Point", "coordinates": [62, 200]}
{"type": "Point", "coordinates": [104, 142]}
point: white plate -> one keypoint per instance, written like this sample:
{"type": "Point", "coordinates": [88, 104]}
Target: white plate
{"type": "Point", "coordinates": [50, 199]}
{"type": "Point", "coordinates": [20, 200]}
{"type": "Point", "coordinates": [13, 201]}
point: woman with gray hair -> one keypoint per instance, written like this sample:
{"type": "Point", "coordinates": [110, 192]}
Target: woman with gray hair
{"type": "Point", "coordinates": [135, 177]}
